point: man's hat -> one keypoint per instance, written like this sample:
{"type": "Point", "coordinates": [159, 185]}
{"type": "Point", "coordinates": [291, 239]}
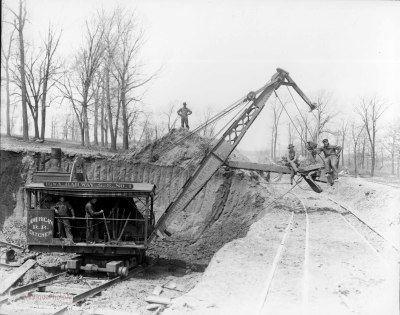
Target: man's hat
{"type": "Point", "coordinates": [290, 146]}
{"type": "Point", "coordinates": [325, 140]}
{"type": "Point", "coordinates": [184, 103]}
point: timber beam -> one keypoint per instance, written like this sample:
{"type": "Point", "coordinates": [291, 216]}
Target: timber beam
{"type": "Point", "coordinates": [259, 167]}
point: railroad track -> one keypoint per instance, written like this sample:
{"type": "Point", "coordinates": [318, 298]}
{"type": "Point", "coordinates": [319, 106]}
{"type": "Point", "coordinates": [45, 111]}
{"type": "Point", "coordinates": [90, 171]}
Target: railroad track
{"type": "Point", "coordinates": [298, 230]}
{"type": "Point", "coordinates": [352, 216]}
{"type": "Point", "coordinates": [298, 227]}
{"type": "Point", "coordinates": [56, 294]}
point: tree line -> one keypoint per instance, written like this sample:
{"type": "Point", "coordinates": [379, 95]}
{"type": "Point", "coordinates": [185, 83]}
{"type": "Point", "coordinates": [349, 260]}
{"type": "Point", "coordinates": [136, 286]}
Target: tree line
{"type": "Point", "coordinates": [102, 83]}
{"type": "Point", "coordinates": [365, 139]}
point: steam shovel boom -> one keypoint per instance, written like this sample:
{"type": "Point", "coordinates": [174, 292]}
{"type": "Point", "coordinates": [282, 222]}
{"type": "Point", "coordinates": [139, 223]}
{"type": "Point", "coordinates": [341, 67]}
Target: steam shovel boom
{"type": "Point", "coordinates": [218, 155]}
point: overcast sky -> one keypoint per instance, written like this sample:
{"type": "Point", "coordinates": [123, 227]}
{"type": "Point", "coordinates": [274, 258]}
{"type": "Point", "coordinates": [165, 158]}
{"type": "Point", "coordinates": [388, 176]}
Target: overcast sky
{"type": "Point", "coordinates": [214, 52]}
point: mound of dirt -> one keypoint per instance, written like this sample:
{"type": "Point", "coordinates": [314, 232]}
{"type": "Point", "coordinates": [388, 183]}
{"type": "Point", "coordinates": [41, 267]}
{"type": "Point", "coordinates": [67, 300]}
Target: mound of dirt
{"type": "Point", "coordinates": [49, 260]}
{"type": "Point", "coordinates": [35, 274]}
{"type": "Point", "coordinates": [177, 147]}
{"type": "Point", "coordinates": [14, 231]}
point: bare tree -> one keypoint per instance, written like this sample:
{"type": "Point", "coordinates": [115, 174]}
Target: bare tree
{"type": "Point", "coordinates": [290, 133]}
{"type": "Point", "coordinates": [342, 133]}
{"type": "Point", "coordinates": [5, 62]}
{"type": "Point", "coordinates": [97, 92]}
{"type": "Point", "coordinates": [128, 71]}
{"type": "Point", "coordinates": [19, 24]}
{"type": "Point", "coordinates": [363, 148]}
{"type": "Point", "coordinates": [70, 91]}
{"type": "Point", "coordinates": [392, 141]}
{"type": "Point", "coordinates": [302, 127]}
{"type": "Point", "coordinates": [370, 111]}
{"type": "Point", "coordinates": [322, 115]}
{"type": "Point", "coordinates": [356, 132]}
{"type": "Point", "coordinates": [277, 112]}
{"type": "Point", "coordinates": [209, 127]}
{"type": "Point", "coordinates": [51, 69]}
{"type": "Point", "coordinates": [112, 112]}
{"type": "Point", "coordinates": [87, 63]}
{"type": "Point", "coordinates": [169, 114]}
{"type": "Point", "coordinates": [147, 129]}
{"type": "Point", "coordinates": [34, 79]}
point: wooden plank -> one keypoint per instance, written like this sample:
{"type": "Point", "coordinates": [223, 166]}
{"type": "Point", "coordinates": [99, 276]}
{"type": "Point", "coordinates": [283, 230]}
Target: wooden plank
{"type": "Point", "coordinates": [259, 167]}
{"type": "Point", "coordinates": [158, 300]}
{"type": "Point", "coordinates": [11, 245]}
{"type": "Point", "coordinates": [157, 290]}
{"type": "Point", "coordinates": [8, 282]}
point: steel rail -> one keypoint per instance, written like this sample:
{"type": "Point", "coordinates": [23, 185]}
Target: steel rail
{"type": "Point", "coordinates": [36, 284]}
{"type": "Point", "coordinates": [306, 275]}
{"type": "Point", "coordinates": [275, 262]}
{"type": "Point", "coordinates": [365, 222]}
{"type": "Point", "coordinates": [363, 238]}
{"type": "Point", "coordinates": [102, 287]}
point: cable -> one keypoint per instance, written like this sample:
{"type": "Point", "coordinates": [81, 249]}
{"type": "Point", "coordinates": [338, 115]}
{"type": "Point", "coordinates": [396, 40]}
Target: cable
{"type": "Point", "coordinates": [210, 140]}
{"type": "Point", "coordinates": [305, 123]}
{"type": "Point", "coordinates": [229, 122]}
{"type": "Point", "coordinates": [204, 125]}
{"type": "Point", "coordinates": [289, 117]}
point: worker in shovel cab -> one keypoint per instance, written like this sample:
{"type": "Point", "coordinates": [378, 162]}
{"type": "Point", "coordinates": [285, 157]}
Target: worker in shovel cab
{"type": "Point", "coordinates": [184, 112]}
{"type": "Point", "coordinates": [64, 211]}
{"type": "Point", "coordinates": [293, 162]}
{"type": "Point", "coordinates": [91, 224]}
{"type": "Point", "coordinates": [332, 154]}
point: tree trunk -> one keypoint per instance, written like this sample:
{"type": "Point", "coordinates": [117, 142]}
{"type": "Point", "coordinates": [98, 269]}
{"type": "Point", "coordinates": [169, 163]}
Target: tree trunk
{"type": "Point", "coordinates": [85, 124]}
{"type": "Point", "coordinates": [125, 127]}
{"type": "Point", "coordinates": [113, 136]}
{"type": "Point", "coordinates": [275, 140]}
{"type": "Point", "coordinates": [373, 159]}
{"type": "Point", "coordinates": [82, 136]}
{"type": "Point", "coordinates": [25, 127]}
{"type": "Point", "coordinates": [36, 125]}
{"type": "Point", "coordinates": [43, 127]}
{"type": "Point", "coordinates": [96, 121]}
{"type": "Point", "coordinates": [8, 97]}
{"type": "Point", "coordinates": [363, 154]}
{"type": "Point", "coordinates": [393, 161]}
{"type": "Point", "coordinates": [355, 161]}
{"type": "Point", "coordinates": [106, 133]}
{"type": "Point", "coordinates": [272, 144]}
{"type": "Point", "coordinates": [102, 116]}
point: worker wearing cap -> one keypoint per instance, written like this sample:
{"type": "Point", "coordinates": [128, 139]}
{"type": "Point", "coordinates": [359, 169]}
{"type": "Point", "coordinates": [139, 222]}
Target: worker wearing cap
{"type": "Point", "coordinates": [184, 112]}
{"type": "Point", "coordinates": [331, 153]}
{"type": "Point", "coordinates": [91, 226]}
{"type": "Point", "coordinates": [64, 210]}
{"type": "Point", "coordinates": [312, 146]}
{"type": "Point", "coordinates": [293, 162]}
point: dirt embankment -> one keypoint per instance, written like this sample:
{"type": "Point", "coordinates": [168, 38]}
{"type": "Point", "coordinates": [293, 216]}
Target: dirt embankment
{"type": "Point", "coordinates": [13, 171]}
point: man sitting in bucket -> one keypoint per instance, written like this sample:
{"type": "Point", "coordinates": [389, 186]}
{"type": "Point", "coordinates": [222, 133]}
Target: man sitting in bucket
{"type": "Point", "coordinates": [332, 154]}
